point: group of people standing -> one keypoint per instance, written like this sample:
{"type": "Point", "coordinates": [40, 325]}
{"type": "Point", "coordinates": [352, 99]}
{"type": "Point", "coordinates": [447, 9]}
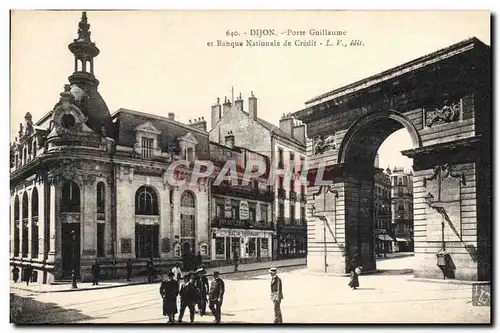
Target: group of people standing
{"type": "Point", "coordinates": [27, 274]}
{"type": "Point", "coordinates": [192, 290]}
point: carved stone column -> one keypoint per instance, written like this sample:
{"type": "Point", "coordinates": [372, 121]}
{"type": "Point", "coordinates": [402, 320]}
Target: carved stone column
{"type": "Point", "coordinates": [89, 225]}
{"type": "Point", "coordinates": [12, 223]}
{"type": "Point", "coordinates": [54, 226]}
{"type": "Point", "coordinates": [30, 223]}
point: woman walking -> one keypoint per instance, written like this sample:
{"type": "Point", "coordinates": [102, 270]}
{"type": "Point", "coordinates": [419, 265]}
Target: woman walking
{"type": "Point", "coordinates": [355, 271]}
{"type": "Point", "coordinates": [168, 291]}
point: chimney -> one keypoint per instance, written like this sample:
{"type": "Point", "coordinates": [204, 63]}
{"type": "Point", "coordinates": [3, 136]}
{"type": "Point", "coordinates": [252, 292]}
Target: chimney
{"type": "Point", "coordinates": [215, 113]}
{"type": "Point", "coordinates": [226, 106]}
{"type": "Point", "coordinates": [199, 123]}
{"type": "Point", "coordinates": [229, 139]}
{"type": "Point", "coordinates": [286, 124]}
{"type": "Point", "coordinates": [238, 104]}
{"type": "Point", "coordinates": [252, 107]}
{"type": "Point", "coordinates": [171, 116]}
{"type": "Point", "coordinates": [299, 132]}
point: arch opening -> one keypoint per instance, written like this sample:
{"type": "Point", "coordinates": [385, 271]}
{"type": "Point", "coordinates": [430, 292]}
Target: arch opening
{"type": "Point", "coordinates": [147, 227]}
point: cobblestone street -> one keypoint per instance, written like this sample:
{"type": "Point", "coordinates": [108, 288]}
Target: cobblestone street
{"type": "Point", "coordinates": [308, 298]}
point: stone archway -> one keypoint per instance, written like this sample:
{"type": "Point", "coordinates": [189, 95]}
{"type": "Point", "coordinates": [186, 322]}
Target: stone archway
{"type": "Point", "coordinates": [447, 114]}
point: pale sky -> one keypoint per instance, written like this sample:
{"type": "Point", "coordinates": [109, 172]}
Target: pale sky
{"type": "Point", "coordinates": [159, 62]}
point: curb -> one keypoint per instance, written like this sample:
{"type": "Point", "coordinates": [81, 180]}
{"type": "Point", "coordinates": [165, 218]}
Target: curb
{"type": "Point", "coordinates": [139, 283]}
{"type": "Point", "coordinates": [450, 281]}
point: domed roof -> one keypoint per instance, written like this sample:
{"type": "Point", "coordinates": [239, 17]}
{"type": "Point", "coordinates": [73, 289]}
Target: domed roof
{"type": "Point", "coordinates": [91, 103]}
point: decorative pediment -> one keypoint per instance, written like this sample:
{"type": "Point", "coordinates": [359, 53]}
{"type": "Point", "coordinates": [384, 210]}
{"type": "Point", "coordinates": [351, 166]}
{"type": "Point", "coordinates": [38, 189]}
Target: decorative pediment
{"type": "Point", "coordinates": [189, 138]}
{"type": "Point", "coordinates": [147, 127]}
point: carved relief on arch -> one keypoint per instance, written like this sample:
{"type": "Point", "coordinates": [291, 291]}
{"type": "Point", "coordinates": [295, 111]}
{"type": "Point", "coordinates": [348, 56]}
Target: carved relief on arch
{"type": "Point", "coordinates": [449, 111]}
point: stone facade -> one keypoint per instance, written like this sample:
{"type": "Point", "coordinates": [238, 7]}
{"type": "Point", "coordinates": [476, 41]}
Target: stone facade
{"type": "Point", "coordinates": [402, 209]}
{"type": "Point", "coordinates": [285, 147]}
{"type": "Point", "coordinates": [382, 212]}
{"type": "Point", "coordinates": [443, 101]}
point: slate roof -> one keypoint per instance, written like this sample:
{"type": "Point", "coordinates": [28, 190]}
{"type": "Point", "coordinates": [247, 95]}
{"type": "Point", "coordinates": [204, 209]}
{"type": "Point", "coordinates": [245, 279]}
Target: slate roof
{"type": "Point", "coordinates": [125, 121]}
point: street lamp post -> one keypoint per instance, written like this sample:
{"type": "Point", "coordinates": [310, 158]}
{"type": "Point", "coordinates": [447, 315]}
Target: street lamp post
{"type": "Point", "coordinates": [73, 274]}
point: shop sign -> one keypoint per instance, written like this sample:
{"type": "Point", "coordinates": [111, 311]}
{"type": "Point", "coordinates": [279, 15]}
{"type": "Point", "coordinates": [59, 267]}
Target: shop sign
{"type": "Point", "coordinates": [244, 212]}
{"type": "Point", "coordinates": [228, 211]}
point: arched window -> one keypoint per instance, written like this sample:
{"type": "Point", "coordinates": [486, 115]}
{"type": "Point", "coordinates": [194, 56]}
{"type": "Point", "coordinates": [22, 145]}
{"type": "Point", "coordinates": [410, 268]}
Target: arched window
{"type": "Point", "coordinates": [188, 222]}
{"type": "Point", "coordinates": [70, 198]}
{"type": "Point", "coordinates": [146, 201]}
{"type": "Point", "coordinates": [34, 223]}
{"type": "Point", "coordinates": [34, 148]}
{"type": "Point", "coordinates": [101, 194]}
{"type": "Point", "coordinates": [34, 203]}
{"type": "Point", "coordinates": [187, 199]}
{"type": "Point", "coordinates": [25, 244]}
{"type": "Point", "coordinates": [16, 208]}
{"type": "Point", "coordinates": [16, 226]}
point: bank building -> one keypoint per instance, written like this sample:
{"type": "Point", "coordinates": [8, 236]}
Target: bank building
{"type": "Point", "coordinates": [87, 184]}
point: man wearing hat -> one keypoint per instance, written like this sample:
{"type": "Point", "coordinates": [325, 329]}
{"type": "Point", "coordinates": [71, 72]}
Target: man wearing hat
{"type": "Point", "coordinates": [189, 296]}
{"type": "Point", "coordinates": [216, 295]}
{"type": "Point", "coordinates": [202, 285]}
{"type": "Point", "coordinates": [276, 295]}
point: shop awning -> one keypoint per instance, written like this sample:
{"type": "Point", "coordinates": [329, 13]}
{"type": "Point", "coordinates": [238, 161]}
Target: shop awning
{"type": "Point", "coordinates": [385, 237]}
{"type": "Point", "coordinates": [403, 240]}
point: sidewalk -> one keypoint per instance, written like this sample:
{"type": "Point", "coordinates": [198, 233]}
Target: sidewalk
{"type": "Point", "coordinates": [48, 288]}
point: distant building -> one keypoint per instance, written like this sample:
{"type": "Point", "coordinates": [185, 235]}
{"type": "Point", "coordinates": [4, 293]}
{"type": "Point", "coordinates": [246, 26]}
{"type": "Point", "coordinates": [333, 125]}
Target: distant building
{"type": "Point", "coordinates": [402, 209]}
{"type": "Point", "coordinates": [285, 147]}
{"type": "Point", "coordinates": [382, 211]}
{"type": "Point", "coordinates": [241, 214]}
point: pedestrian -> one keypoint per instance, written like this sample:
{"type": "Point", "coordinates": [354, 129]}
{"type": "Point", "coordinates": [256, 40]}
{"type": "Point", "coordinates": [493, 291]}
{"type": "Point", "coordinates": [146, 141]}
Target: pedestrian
{"type": "Point", "coordinates": [189, 296]}
{"type": "Point", "coordinates": [28, 271]}
{"type": "Point", "coordinates": [355, 271]}
{"type": "Point", "coordinates": [15, 273]}
{"type": "Point", "coordinates": [150, 270]}
{"type": "Point", "coordinates": [216, 296]}
{"type": "Point", "coordinates": [177, 273]}
{"type": "Point", "coordinates": [199, 260]}
{"type": "Point", "coordinates": [202, 285]}
{"type": "Point", "coordinates": [276, 295]}
{"type": "Point", "coordinates": [235, 259]}
{"type": "Point", "coordinates": [95, 269]}
{"type": "Point", "coordinates": [129, 269]}
{"type": "Point", "coordinates": [168, 291]}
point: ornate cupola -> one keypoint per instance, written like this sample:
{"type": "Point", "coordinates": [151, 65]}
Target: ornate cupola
{"type": "Point", "coordinates": [83, 83]}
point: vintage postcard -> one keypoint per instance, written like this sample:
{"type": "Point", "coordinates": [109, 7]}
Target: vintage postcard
{"type": "Point", "coordinates": [250, 167]}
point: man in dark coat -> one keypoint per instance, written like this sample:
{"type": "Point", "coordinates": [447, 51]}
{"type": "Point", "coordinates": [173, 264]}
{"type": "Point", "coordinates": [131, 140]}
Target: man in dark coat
{"type": "Point", "coordinates": [150, 267]}
{"type": "Point", "coordinates": [202, 285]}
{"type": "Point", "coordinates": [129, 269]}
{"type": "Point", "coordinates": [216, 296]}
{"type": "Point", "coordinates": [96, 269]}
{"type": "Point", "coordinates": [276, 295]}
{"type": "Point", "coordinates": [168, 291]}
{"type": "Point", "coordinates": [28, 272]}
{"type": "Point", "coordinates": [199, 260]}
{"type": "Point", "coordinates": [189, 296]}
{"type": "Point", "coordinates": [15, 273]}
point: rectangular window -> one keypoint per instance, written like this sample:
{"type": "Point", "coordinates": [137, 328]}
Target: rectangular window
{"type": "Point", "coordinates": [292, 161]}
{"type": "Point", "coordinates": [147, 147]}
{"type": "Point", "coordinates": [219, 210]}
{"type": "Point", "coordinates": [302, 164]}
{"type": "Point", "coordinates": [219, 246]}
{"type": "Point", "coordinates": [263, 213]}
{"type": "Point", "coordinates": [280, 158]}
{"type": "Point", "coordinates": [126, 245]}
{"type": "Point", "coordinates": [100, 240]}
{"type": "Point", "coordinates": [236, 212]}
{"type": "Point", "coordinates": [400, 181]}
{"type": "Point", "coordinates": [303, 214]}
{"type": "Point", "coordinates": [281, 210]}
{"type": "Point", "coordinates": [251, 247]}
{"type": "Point", "coordinates": [292, 214]}
{"type": "Point", "coordinates": [187, 226]}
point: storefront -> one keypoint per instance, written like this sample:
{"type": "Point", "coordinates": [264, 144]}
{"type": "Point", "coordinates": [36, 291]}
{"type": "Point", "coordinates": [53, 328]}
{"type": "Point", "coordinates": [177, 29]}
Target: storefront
{"type": "Point", "coordinates": [252, 245]}
{"type": "Point", "coordinates": [292, 243]}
